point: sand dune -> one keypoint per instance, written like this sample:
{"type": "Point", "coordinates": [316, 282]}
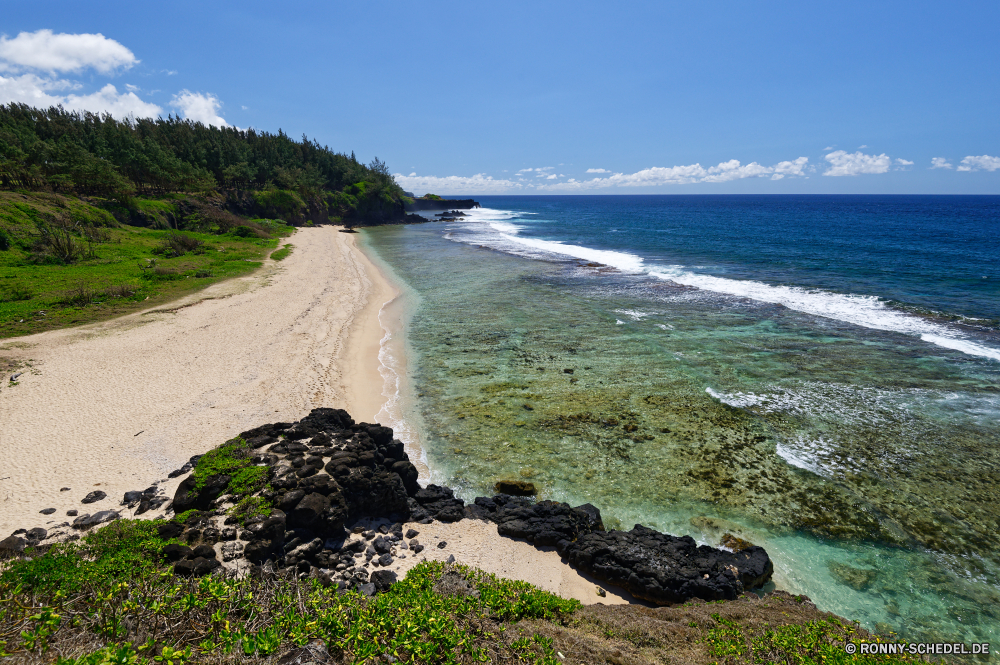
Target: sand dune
{"type": "Point", "coordinates": [116, 406]}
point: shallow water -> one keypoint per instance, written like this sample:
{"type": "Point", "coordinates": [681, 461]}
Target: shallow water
{"type": "Point", "coordinates": [864, 458]}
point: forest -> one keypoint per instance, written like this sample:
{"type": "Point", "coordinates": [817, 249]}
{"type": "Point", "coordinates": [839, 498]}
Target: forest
{"type": "Point", "coordinates": [96, 155]}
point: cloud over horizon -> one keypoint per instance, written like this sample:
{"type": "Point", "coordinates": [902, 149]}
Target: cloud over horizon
{"type": "Point", "coordinates": [844, 163]}
{"type": "Point", "coordinates": [479, 183]}
{"type": "Point", "coordinates": [982, 162]}
{"type": "Point", "coordinates": [654, 176]}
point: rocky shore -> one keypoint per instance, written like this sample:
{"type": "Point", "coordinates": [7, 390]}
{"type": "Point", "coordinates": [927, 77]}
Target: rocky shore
{"type": "Point", "coordinates": [290, 497]}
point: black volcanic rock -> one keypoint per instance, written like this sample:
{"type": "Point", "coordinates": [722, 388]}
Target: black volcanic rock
{"type": "Point", "coordinates": [327, 471]}
{"type": "Point", "coordinates": [12, 545]}
{"type": "Point", "coordinates": [96, 495]}
{"type": "Point", "coordinates": [439, 503]}
{"type": "Point", "coordinates": [188, 497]}
{"type": "Point", "coordinates": [667, 569]}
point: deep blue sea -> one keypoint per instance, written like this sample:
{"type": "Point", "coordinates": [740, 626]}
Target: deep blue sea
{"type": "Point", "coordinates": [819, 375]}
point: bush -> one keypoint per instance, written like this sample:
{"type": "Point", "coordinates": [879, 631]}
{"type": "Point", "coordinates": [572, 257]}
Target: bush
{"type": "Point", "coordinates": [178, 244]}
{"type": "Point", "coordinates": [16, 293]}
{"type": "Point", "coordinates": [4, 241]}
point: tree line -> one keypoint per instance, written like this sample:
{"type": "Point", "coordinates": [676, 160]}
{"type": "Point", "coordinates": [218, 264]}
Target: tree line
{"type": "Point", "coordinates": [97, 155]}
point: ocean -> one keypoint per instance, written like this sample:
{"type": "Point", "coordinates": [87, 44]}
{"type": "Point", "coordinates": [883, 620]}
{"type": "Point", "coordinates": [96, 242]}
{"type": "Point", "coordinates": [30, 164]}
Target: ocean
{"type": "Point", "coordinates": [818, 375]}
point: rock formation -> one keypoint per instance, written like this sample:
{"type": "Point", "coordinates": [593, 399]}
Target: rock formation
{"type": "Point", "coordinates": [313, 479]}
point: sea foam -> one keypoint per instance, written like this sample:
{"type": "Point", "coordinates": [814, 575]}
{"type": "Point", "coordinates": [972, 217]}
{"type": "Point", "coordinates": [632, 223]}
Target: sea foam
{"type": "Point", "coordinates": [495, 229]}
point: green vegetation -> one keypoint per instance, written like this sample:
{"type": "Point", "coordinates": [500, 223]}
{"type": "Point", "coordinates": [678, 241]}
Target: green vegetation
{"type": "Point", "coordinates": [432, 197]}
{"type": "Point", "coordinates": [233, 459]}
{"type": "Point", "coordinates": [280, 254]}
{"type": "Point", "coordinates": [121, 551]}
{"type": "Point", "coordinates": [68, 262]}
{"type": "Point", "coordinates": [229, 459]}
{"type": "Point", "coordinates": [819, 641]}
{"type": "Point", "coordinates": [95, 155]}
{"type": "Point", "coordinates": [108, 599]}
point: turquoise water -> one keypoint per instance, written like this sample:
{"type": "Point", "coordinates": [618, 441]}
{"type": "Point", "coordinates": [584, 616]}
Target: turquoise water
{"type": "Point", "coordinates": [841, 415]}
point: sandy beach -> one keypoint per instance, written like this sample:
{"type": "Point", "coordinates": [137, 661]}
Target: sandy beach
{"type": "Point", "coordinates": [116, 406]}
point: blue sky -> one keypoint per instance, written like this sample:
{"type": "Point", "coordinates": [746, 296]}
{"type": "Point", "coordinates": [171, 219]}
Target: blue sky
{"type": "Point", "coordinates": [556, 97]}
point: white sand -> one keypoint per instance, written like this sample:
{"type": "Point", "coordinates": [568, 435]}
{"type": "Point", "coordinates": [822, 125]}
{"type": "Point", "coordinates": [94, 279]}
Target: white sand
{"type": "Point", "coordinates": [296, 335]}
{"type": "Point", "coordinates": [477, 544]}
{"type": "Point", "coordinates": [116, 406]}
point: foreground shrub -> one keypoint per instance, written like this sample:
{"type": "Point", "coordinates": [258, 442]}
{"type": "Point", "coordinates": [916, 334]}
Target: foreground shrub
{"type": "Point", "coordinates": [109, 600]}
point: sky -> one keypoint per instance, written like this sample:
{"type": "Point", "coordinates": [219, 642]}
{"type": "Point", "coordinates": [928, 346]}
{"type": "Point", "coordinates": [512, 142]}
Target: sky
{"type": "Point", "coordinates": [554, 97]}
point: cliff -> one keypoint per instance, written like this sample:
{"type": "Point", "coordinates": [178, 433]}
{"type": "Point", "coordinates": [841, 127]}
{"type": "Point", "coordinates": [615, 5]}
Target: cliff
{"type": "Point", "coordinates": [441, 204]}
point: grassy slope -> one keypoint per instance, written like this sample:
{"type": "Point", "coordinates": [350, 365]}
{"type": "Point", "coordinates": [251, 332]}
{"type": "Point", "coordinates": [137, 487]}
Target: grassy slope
{"type": "Point", "coordinates": [109, 599]}
{"type": "Point", "coordinates": [37, 296]}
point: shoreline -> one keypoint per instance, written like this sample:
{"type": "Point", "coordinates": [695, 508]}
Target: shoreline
{"type": "Point", "coordinates": [117, 405]}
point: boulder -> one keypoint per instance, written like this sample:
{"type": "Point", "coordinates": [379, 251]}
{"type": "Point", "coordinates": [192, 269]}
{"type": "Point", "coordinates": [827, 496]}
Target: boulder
{"type": "Point", "coordinates": [96, 495]}
{"type": "Point", "coordinates": [12, 545]}
{"type": "Point", "coordinates": [188, 497]}
{"type": "Point", "coordinates": [175, 552]}
{"type": "Point", "coordinates": [383, 579]}
{"type": "Point", "coordinates": [87, 521]}
{"type": "Point", "coordinates": [516, 488]}
{"type": "Point", "coordinates": [308, 510]}
{"type": "Point", "coordinates": [667, 569]}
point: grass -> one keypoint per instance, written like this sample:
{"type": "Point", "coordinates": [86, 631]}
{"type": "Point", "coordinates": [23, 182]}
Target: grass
{"type": "Point", "coordinates": [110, 599]}
{"type": "Point", "coordinates": [119, 270]}
{"type": "Point", "coordinates": [778, 628]}
{"type": "Point", "coordinates": [245, 478]}
{"type": "Point", "coordinates": [280, 254]}
{"type": "Point", "coordinates": [107, 599]}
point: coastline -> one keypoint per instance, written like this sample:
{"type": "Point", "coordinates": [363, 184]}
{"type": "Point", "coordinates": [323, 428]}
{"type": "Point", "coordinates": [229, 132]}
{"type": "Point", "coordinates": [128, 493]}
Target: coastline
{"type": "Point", "coordinates": [183, 376]}
{"type": "Point", "coordinates": [117, 405]}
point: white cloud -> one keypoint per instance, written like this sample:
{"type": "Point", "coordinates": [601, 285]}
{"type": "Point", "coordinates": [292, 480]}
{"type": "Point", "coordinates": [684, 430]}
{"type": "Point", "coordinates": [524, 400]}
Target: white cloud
{"type": "Point", "coordinates": [940, 163]}
{"type": "Point", "coordinates": [199, 107]}
{"type": "Point", "coordinates": [477, 184]}
{"type": "Point", "coordinates": [36, 91]}
{"type": "Point", "coordinates": [109, 100]}
{"type": "Point", "coordinates": [984, 162]}
{"type": "Point", "coordinates": [903, 162]}
{"type": "Point", "coordinates": [683, 175]}
{"type": "Point", "coordinates": [598, 171]}
{"type": "Point", "coordinates": [829, 147]}
{"type": "Point", "coordinates": [49, 52]}
{"type": "Point", "coordinates": [651, 177]}
{"type": "Point", "coordinates": [862, 147]}
{"type": "Point", "coordinates": [856, 163]}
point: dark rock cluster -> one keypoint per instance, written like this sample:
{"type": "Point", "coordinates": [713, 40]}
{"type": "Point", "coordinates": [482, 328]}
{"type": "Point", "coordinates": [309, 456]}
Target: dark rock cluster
{"type": "Point", "coordinates": [668, 569]}
{"type": "Point", "coordinates": [326, 472]}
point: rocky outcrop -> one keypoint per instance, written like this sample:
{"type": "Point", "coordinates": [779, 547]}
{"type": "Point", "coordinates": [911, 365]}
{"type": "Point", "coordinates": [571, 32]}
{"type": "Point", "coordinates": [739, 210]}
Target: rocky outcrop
{"type": "Point", "coordinates": [668, 569]}
{"type": "Point", "coordinates": [441, 204]}
{"type": "Point", "coordinates": [327, 472]}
